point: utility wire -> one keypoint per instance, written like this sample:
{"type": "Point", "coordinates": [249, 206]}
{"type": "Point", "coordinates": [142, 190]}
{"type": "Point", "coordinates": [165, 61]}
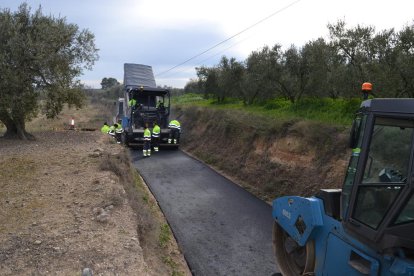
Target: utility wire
{"type": "Point", "coordinates": [231, 37]}
{"type": "Point", "coordinates": [210, 57]}
{"type": "Point", "coordinates": [225, 49]}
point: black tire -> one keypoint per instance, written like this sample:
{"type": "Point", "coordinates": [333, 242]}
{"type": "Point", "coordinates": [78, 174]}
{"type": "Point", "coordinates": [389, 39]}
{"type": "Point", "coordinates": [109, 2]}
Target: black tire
{"type": "Point", "coordinates": [292, 259]}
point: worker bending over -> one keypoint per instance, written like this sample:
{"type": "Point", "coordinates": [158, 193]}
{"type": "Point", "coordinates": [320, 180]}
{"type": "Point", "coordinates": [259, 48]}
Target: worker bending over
{"type": "Point", "coordinates": [175, 130]}
{"type": "Point", "coordinates": [116, 132]}
{"type": "Point", "coordinates": [105, 128]}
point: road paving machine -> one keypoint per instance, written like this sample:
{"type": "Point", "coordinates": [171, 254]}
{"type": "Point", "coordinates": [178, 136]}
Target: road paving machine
{"type": "Point", "coordinates": [143, 104]}
{"type": "Point", "coordinates": [367, 227]}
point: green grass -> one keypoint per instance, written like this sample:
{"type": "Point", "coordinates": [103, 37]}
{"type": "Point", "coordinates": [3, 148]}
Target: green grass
{"type": "Point", "coordinates": [170, 262]}
{"type": "Point", "coordinates": [190, 98]}
{"type": "Point", "coordinates": [326, 110]}
{"type": "Point", "coordinates": [165, 235]}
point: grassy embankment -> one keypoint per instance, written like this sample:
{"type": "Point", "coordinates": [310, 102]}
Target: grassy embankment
{"type": "Point", "coordinates": [329, 111]}
{"type": "Point", "coordinates": [272, 149]}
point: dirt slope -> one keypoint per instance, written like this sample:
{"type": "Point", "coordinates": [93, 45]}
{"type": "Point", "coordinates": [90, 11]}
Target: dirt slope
{"type": "Point", "coordinates": [69, 201]}
{"type": "Point", "coordinates": [269, 157]}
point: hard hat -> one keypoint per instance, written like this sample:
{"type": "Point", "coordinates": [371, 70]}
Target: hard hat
{"type": "Point", "coordinates": [367, 86]}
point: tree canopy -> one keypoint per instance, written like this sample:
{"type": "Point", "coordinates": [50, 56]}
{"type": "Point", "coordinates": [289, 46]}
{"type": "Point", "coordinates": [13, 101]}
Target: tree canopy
{"type": "Point", "coordinates": [109, 83]}
{"type": "Point", "coordinates": [321, 68]}
{"type": "Point", "coordinates": [40, 58]}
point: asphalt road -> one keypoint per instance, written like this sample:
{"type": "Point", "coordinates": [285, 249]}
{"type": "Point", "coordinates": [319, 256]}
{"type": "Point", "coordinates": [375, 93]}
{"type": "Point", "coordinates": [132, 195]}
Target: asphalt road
{"type": "Point", "coordinates": [221, 228]}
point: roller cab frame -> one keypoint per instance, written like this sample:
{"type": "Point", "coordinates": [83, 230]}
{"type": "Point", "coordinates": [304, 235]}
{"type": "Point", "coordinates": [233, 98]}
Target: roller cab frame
{"type": "Point", "coordinates": [378, 192]}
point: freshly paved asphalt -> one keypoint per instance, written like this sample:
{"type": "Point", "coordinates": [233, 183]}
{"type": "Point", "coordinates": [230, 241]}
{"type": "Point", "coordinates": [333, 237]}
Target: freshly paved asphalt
{"type": "Point", "coordinates": [221, 228]}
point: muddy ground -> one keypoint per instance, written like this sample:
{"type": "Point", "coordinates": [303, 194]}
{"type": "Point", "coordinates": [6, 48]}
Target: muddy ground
{"type": "Point", "coordinates": [70, 200]}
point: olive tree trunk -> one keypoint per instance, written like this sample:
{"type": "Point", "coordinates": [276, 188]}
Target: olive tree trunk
{"type": "Point", "coordinates": [15, 129]}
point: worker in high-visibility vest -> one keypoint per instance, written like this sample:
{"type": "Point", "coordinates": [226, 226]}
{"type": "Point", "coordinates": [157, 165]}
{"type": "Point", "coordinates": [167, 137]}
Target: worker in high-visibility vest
{"type": "Point", "coordinates": [105, 128]}
{"type": "Point", "coordinates": [132, 102]}
{"type": "Point", "coordinates": [115, 131]}
{"type": "Point", "coordinates": [147, 141]}
{"type": "Point", "coordinates": [156, 132]}
{"type": "Point", "coordinates": [118, 132]}
{"type": "Point", "coordinates": [160, 105]}
{"type": "Point", "coordinates": [175, 130]}
{"type": "Point", "coordinates": [112, 130]}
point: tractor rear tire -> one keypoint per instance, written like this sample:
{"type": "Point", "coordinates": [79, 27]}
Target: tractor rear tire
{"type": "Point", "coordinates": [291, 258]}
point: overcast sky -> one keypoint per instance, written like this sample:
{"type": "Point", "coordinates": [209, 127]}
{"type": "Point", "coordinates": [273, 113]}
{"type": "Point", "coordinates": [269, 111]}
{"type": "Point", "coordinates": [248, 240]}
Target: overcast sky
{"type": "Point", "coordinates": [165, 33]}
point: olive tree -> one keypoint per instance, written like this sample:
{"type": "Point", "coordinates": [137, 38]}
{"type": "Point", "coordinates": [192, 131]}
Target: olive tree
{"type": "Point", "coordinates": [208, 80]}
{"type": "Point", "coordinates": [262, 74]}
{"type": "Point", "coordinates": [107, 83]}
{"type": "Point", "coordinates": [40, 58]}
{"type": "Point", "coordinates": [231, 73]}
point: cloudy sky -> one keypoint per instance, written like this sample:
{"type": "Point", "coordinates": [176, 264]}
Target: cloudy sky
{"type": "Point", "coordinates": [165, 33]}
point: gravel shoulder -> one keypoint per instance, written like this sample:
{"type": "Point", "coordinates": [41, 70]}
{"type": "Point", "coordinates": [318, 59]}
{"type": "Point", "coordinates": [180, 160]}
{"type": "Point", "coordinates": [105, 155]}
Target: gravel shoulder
{"type": "Point", "coordinates": [65, 207]}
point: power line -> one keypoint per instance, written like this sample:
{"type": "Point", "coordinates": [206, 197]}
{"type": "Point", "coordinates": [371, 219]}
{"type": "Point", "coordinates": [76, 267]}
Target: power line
{"type": "Point", "coordinates": [212, 56]}
{"type": "Point", "coordinates": [231, 37]}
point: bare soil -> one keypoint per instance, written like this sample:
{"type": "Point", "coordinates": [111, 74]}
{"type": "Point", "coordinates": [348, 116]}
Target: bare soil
{"type": "Point", "coordinates": [70, 200]}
